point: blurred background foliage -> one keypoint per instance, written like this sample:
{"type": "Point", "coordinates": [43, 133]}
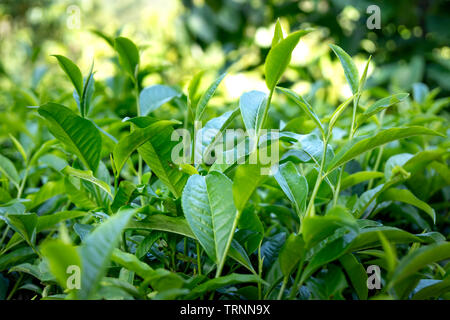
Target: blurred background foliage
{"type": "Point", "coordinates": [177, 39]}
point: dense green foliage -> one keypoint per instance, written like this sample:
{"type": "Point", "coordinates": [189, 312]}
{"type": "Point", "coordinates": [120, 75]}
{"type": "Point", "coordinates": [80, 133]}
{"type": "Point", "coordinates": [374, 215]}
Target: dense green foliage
{"type": "Point", "coordinates": [88, 180]}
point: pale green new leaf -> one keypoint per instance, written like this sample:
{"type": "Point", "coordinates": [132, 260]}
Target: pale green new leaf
{"type": "Point", "coordinates": [381, 105]}
{"type": "Point", "coordinates": [359, 146]}
{"type": "Point", "coordinates": [279, 57]}
{"type": "Point", "coordinates": [87, 175]}
{"type": "Point", "coordinates": [305, 106]}
{"type": "Point", "coordinates": [207, 95]}
{"type": "Point", "coordinates": [128, 55]}
{"type": "Point", "coordinates": [72, 71]}
{"type": "Point", "coordinates": [350, 70]}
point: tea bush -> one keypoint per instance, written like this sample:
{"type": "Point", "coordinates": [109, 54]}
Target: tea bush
{"type": "Point", "coordinates": [99, 202]}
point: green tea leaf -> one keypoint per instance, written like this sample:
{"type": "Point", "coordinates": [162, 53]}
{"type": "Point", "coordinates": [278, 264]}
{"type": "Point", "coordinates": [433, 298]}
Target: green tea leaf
{"type": "Point", "coordinates": [207, 95]}
{"type": "Point", "coordinates": [246, 179]}
{"type": "Point", "coordinates": [406, 196]}
{"type": "Point", "coordinates": [359, 177]}
{"type": "Point", "coordinates": [97, 249]}
{"type": "Point", "coordinates": [217, 283]}
{"type": "Point", "coordinates": [8, 169]}
{"type": "Point", "coordinates": [153, 97]}
{"type": "Point", "coordinates": [418, 259]}
{"type": "Point", "coordinates": [73, 72]}
{"type": "Point", "coordinates": [209, 209]}
{"type": "Point", "coordinates": [358, 146]}
{"type": "Point", "coordinates": [61, 257]}
{"type": "Point", "coordinates": [128, 55]}
{"type": "Point", "coordinates": [291, 253]}
{"type": "Point", "coordinates": [294, 185]}
{"type": "Point", "coordinates": [78, 134]}
{"type": "Point", "coordinates": [157, 153]}
{"type": "Point", "coordinates": [350, 70]}
{"type": "Point", "coordinates": [381, 105]}
{"type": "Point", "coordinates": [279, 57]}
{"type": "Point", "coordinates": [87, 176]}
{"type": "Point", "coordinates": [356, 273]}
{"type": "Point", "coordinates": [305, 106]}
{"type": "Point", "coordinates": [252, 105]}
{"type": "Point", "coordinates": [135, 139]}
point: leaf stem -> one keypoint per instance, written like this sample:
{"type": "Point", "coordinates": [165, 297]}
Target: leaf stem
{"type": "Point", "coordinates": [199, 260]}
{"type": "Point", "coordinates": [283, 286]}
{"type": "Point", "coordinates": [320, 176]}
{"type": "Point", "coordinates": [351, 134]}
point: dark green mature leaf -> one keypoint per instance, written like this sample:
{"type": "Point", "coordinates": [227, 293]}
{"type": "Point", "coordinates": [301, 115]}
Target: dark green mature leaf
{"type": "Point", "coordinates": [369, 238]}
{"type": "Point", "coordinates": [132, 263]}
{"type": "Point", "coordinates": [317, 228]}
{"type": "Point", "coordinates": [279, 57]}
{"type": "Point", "coordinates": [305, 106]}
{"type": "Point", "coordinates": [162, 222]}
{"type": "Point", "coordinates": [78, 134]}
{"type": "Point", "coordinates": [333, 248]}
{"type": "Point", "coordinates": [128, 55]}
{"type": "Point", "coordinates": [8, 169]}
{"type": "Point", "coordinates": [350, 70]}
{"type": "Point", "coordinates": [359, 146]}
{"type": "Point", "coordinates": [97, 248]}
{"type": "Point", "coordinates": [381, 105]}
{"type": "Point", "coordinates": [207, 95]}
{"type": "Point", "coordinates": [293, 185]}
{"type": "Point", "coordinates": [209, 209]}
{"type": "Point", "coordinates": [252, 105]}
{"type": "Point", "coordinates": [418, 259]}
{"type": "Point", "coordinates": [406, 196]}
{"type": "Point", "coordinates": [356, 273]}
{"type": "Point", "coordinates": [135, 139]}
{"type": "Point", "coordinates": [217, 283]}
{"type": "Point", "coordinates": [73, 72]}
{"type": "Point", "coordinates": [153, 97]}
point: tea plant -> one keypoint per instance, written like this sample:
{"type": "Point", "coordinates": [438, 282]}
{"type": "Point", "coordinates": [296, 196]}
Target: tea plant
{"type": "Point", "coordinates": [95, 206]}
